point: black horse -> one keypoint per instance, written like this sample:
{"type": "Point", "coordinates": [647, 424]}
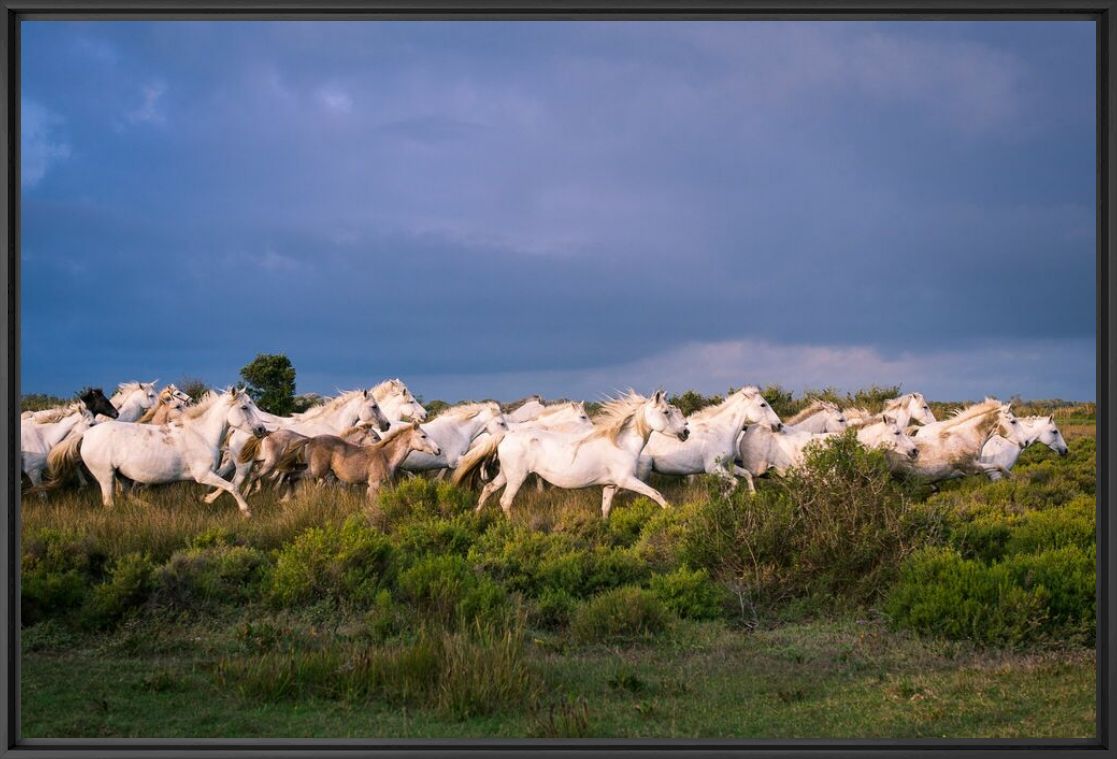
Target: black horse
{"type": "Point", "coordinates": [95, 400]}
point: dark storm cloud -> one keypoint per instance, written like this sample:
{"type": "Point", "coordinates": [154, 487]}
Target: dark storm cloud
{"type": "Point", "coordinates": [531, 204]}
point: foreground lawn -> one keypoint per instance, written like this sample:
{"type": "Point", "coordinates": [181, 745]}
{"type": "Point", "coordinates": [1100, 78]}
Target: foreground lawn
{"type": "Point", "coordinates": [843, 679]}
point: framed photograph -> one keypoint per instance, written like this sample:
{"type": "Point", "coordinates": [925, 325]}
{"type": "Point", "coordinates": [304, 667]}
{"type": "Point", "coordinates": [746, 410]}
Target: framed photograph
{"type": "Point", "coordinates": [682, 378]}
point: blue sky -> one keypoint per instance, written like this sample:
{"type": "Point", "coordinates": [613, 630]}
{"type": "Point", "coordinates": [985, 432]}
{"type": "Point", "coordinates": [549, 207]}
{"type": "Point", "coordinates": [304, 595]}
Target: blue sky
{"type": "Point", "coordinates": [494, 209]}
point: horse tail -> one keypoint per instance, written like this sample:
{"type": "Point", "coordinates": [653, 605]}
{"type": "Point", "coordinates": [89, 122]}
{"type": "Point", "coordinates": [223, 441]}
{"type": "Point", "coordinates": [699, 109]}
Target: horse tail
{"type": "Point", "coordinates": [476, 457]}
{"type": "Point", "coordinates": [248, 452]}
{"type": "Point", "coordinates": [62, 461]}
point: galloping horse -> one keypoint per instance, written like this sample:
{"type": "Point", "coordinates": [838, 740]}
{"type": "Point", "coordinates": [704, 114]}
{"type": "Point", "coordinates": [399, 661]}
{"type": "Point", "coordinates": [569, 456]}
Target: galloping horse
{"type": "Point", "coordinates": [605, 456]}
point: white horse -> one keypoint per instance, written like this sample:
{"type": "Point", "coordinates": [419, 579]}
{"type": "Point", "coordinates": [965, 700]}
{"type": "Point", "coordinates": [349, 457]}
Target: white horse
{"type": "Point", "coordinates": [952, 448]}
{"type": "Point", "coordinates": [454, 431]}
{"type": "Point", "coordinates": [711, 447]}
{"type": "Point", "coordinates": [999, 453]}
{"type": "Point", "coordinates": [762, 448]}
{"type": "Point", "coordinates": [397, 402]}
{"type": "Point", "coordinates": [188, 448]}
{"type": "Point", "coordinates": [818, 416]}
{"type": "Point", "coordinates": [606, 456]}
{"type": "Point", "coordinates": [525, 410]}
{"type": "Point", "coordinates": [131, 400]}
{"type": "Point", "coordinates": [908, 408]}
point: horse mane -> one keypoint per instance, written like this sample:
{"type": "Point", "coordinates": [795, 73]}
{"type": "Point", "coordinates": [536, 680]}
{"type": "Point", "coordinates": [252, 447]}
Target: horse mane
{"type": "Point", "coordinates": [329, 406]}
{"type": "Point", "coordinates": [467, 411]}
{"type": "Point", "coordinates": [52, 415]}
{"type": "Point", "coordinates": [514, 405]}
{"type": "Point", "coordinates": [164, 399]}
{"type": "Point", "coordinates": [391, 435]}
{"type": "Point", "coordinates": [963, 415]}
{"type": "Point", "coordinates": [555, 408]}
{"type": "Point", "coordinates": [127, 387]}
{"type": "Point", "coordinates": [387, 387]}
{"type": "Point", "coordinates": [616, 414]}
{"type": "Point", "coordinates": [811, 409]}
{"type": "Point", "coordinates": [202, 406]}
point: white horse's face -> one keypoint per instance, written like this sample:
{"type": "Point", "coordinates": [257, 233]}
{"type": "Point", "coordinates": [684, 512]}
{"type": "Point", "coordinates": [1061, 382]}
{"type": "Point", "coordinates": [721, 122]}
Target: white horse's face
{"type": "Point", "coordinates": [580, 413]}
{"type": "Point", "coordinates": [1010, 427]}
{"type": "Point", "coordinates": [894, 439]}
{"type": "Point", "coordinates": [664, 418]}
{"type": "Point", "coordinates": [835, 421]}
{"type": "Point", "coordinates": [243, 414]}
{"type": "Point", "coordinates": [178, 395]}
{"type": "Point", "coordinates": [758, 411]}
{"type": "Point", "coordinates": [496, 425]}
{"type": "Point", "coordinates": [369, 413]}
{"type": "Point", "coordinates": [1048, 433]}
{"type": "Point", "coordinates": [918, 409]}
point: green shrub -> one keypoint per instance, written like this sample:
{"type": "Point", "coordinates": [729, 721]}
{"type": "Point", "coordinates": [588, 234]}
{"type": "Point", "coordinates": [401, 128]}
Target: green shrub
{"type": "Point", "coordinates": [553, 608]}
{"type": "Point", "coordinates": [446, 588]}
{"type": "Point", "coordinates": [419, 498]}
{"type": "Point", "coordinates": [626, 523]}
{"type": "Point", "coordinates": [128, 586]}
{"type": "Point", "coordinates": [217, 572]}
{"type": "Point", "coordinates": [1020, 600]}
{"type": "Point", "coordinates": [57, 570]}
{"type": "Point", "coordinates": [436, 535]}
{"type": "Point", "coordinates": [836, 528]}
{"type": "Point", "coordinates": [619, 614]}
{"type": "Point", "coordinates": [1069, 525]}
{"type": "Point", "coordinates": [347, 563]}
{"type": "Point", "coordinates": [690, 594]}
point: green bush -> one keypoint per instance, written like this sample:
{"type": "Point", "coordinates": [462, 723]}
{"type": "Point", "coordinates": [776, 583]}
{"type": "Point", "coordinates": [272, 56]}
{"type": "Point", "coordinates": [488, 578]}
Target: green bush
{"type": "Point", "coordinates": [128, 586]}
{"type": "Point", "coordinates": [217, 572]}
{"type": "Point", "coordinates": [1023, 599]}
{"type": "Point", "coordinates": [1069, 525]}
{"type": "Point", "coordinates": [347, 563]}
{"type": "Point", "coordinates": [619, 614]}
{"type": "Point", "coordinates": [690, 594]}
{"type": "Point", "coordinates": [446, 588]}
{"type": "Point", "coordinates": [419, 498]}
{"type": "Point", "coordinates": [57, 570]}
{"type": "Point", "coordinates": [836, 528]}
{"type": "Point", "coordinates": [553, 608]}
{"type": "Point", "coordinates": [626, 523]}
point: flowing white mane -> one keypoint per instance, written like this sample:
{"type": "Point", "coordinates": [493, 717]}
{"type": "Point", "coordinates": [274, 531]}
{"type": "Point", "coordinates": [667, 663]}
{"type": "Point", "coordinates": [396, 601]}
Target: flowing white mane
{"type": "Point", "coordinates": [203, 405]}
{"type": "Point", "coordinates": [616, 414]}
{"type": "Point", "coordinates": [814, 407]}
{"type": "Point", "coordinates": [388, 387]}
{"type": "Point", "coordinates": [466, 411]}
{"type": "Point", "coordinates": [331, 405]}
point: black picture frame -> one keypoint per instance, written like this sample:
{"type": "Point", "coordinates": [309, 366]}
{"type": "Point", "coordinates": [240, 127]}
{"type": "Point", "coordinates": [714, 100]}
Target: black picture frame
{"type": "Point", "coordinates": [1101, 11]}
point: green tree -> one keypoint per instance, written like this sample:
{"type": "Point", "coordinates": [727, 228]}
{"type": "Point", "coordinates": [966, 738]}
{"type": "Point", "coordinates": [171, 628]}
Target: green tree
{"type": "Point", "coordinates": [271, 382]}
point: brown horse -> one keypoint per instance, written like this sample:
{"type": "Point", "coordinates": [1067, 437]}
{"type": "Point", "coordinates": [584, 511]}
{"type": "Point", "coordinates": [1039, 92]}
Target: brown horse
{"type": "Point", "coordinates": [373, 464]}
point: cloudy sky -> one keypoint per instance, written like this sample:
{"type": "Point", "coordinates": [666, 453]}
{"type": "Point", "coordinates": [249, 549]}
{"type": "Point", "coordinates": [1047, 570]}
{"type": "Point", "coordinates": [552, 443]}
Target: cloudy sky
{"type": "Point", "coordinates": [495, 209]}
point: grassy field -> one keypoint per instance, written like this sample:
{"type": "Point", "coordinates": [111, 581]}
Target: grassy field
{"type": "Point", "coordinates": [809, 611]}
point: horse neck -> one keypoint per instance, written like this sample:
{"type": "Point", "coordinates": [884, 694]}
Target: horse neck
{"type": "Point", "coordinates": [63, 427]}
{"type": "Point", "coordinates": [212, 425]}
{"type": "Point", "coordinates": [635, 434]}
{"type": "Point", "coordinates": [395, 450]}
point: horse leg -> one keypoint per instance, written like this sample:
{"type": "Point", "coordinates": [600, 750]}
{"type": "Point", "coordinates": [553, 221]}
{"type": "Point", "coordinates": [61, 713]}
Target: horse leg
{"type": "Point", "coordinates": [212, 478]}
{"type": "Point", "coordinates": [538, 484]}
{"type": "Point", "coordinates": [490, 487]}
{"type": "Point", "coordinates": [514, 482]}
{"type": "Point", "coordinates": [747, 475]}
{"type": "Point", "coordinates": [637, 486]}
{"type": "Point", "coordinates": [607, 494]}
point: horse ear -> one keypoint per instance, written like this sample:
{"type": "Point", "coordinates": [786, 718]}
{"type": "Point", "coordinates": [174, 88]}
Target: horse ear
{"type": "Point", "coordinates": [414, 425]}
{"type": "Point", "coordinates": [658, 397]}
{"type": "Point", "coordinates": [887, 419]}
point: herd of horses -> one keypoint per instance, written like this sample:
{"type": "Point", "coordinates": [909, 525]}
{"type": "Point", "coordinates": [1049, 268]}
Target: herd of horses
{"type": "Point", "coordinates": [142, 436]}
